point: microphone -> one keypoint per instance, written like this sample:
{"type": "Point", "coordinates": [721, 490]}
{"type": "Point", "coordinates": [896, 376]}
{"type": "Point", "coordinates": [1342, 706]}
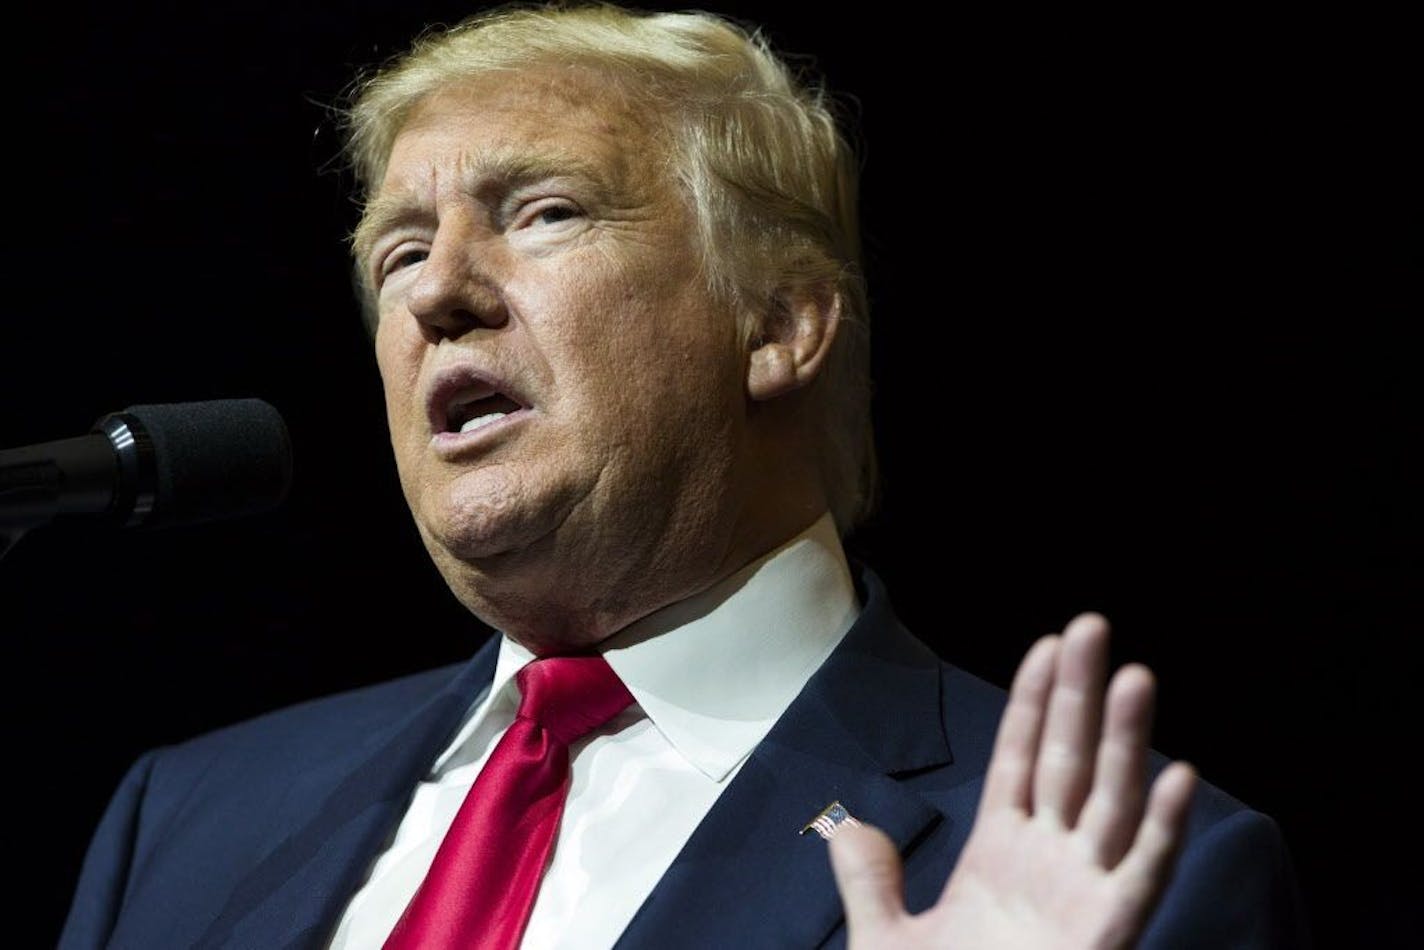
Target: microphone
{"type": "Point", "coordinates": [170, 464]}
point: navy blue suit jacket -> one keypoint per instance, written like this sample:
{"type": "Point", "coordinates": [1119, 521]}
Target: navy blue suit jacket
{"type": "Point", "coordinates": [258, 834]}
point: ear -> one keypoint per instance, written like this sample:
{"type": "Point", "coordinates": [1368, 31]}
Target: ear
{"type": "Point", "coordinates": [797, 332]}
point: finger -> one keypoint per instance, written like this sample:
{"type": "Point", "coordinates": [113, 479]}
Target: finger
{"type": "Point", "coordinates": [1066, 756]}
{"type": "Point", "coordinates": [1148, 864]}
{"type": "Point", "coordinates": [869, 877]}
{"type": "Point", "coordinates": [1009, 780]}
{"type": "Point", "coordinates": [1114, 808]}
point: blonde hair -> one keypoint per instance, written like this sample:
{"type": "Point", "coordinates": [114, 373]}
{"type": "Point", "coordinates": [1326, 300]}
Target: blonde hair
{"type": "Point", "coordinates": [770, 177]}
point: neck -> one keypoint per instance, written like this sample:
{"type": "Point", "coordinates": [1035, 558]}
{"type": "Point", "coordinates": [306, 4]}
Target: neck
{"type": "Point", "coordinates": [575, 606]}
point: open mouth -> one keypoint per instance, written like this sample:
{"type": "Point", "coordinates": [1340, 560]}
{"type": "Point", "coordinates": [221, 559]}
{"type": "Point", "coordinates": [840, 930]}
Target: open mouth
{"type": "Point", "coordinates": [463, 399]}
{"type": "Point", "coordinates": [471, 411]}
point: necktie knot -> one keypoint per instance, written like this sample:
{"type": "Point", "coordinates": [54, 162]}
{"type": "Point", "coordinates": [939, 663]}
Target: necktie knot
{"type": "Point", "coordinates": [570, 696]}
{"type": "Point", "coordinates": [481, 887]}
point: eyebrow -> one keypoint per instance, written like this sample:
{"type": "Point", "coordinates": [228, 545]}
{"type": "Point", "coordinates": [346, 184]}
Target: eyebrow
{"type": "Point", "coordinates": [489, 181]}
{"type": "Point", "coordinates": [383, 213]}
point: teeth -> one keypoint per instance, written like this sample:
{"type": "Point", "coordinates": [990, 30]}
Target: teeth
{"type": "Point", "coordinates": [478, 421]}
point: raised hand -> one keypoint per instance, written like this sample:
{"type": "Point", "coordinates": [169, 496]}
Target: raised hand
{"type": "Point", "coordinates": [1067, 849]}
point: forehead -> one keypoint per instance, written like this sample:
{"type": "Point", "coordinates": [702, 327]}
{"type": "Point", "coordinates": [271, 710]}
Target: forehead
{"type": "Point", "coordinates": [547, 120]}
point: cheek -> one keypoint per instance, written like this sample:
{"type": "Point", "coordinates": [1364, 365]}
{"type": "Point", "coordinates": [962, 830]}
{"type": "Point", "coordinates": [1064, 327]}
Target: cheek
{"type": "Point", "coordinates": [636, 354]}
{"type": "Point", "coordinates": [399, 365]}
{"type": "Point", "coordinates": [622, 328]}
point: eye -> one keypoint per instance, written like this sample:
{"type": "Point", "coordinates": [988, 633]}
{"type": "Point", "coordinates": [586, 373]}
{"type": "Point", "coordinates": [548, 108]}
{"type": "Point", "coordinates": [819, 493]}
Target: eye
{"type": "Point", "coordinates": [548, 212]}
{"type": "Point", "coordinates": [553, 214]}
{"type": "Point", "coordinates": [403, 259]}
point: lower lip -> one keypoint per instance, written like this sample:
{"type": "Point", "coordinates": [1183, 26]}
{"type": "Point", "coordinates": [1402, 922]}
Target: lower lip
{"type": "Point", "coordinates": [451, 445]}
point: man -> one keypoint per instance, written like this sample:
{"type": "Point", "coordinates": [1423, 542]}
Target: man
{"type": "Point", "coordinates": [611, 266]}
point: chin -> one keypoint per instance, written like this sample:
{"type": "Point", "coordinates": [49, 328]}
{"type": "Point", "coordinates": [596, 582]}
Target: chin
{"type": "Point", "coordinates": [487, 518]}
{"type": "Point", "coordinates": [477, 537]}
{"type": "Point", "coordinates": [479, 514]}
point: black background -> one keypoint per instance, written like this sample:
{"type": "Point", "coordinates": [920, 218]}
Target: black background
{"type": "Point", "coordinates": [1143, 289]}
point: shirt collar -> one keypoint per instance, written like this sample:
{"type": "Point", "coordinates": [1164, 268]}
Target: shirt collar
{"type": "Point", "coordinates": [715, 671]}
{"type": "Point", "coordinates": [500, 701]}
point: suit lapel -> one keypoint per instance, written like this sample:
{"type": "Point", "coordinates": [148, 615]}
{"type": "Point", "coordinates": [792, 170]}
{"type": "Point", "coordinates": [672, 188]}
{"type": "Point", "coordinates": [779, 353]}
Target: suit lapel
{"type": "Point", "coordinates": [295, 895]}
{"type": "Point", "coordinates": [871, 712]}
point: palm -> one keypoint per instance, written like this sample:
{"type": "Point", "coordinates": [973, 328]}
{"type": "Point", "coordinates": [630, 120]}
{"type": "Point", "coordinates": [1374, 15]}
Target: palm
{"type": "Point", "coordinates": [1023, 882]}
{"type": "Point", "coordinates": [1067, 850]}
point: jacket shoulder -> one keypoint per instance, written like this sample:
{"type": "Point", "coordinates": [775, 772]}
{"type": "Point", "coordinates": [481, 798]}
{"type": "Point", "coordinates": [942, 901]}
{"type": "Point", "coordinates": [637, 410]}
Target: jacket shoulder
{"type": "Point", "coordinates": [308, 729]}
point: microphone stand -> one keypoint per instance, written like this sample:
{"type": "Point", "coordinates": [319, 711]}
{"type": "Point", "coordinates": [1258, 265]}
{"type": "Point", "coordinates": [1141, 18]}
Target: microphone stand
{"type": "Point", "coordinates": [25, 487]}
{"type": "Point", "coordinates": [84, 475]}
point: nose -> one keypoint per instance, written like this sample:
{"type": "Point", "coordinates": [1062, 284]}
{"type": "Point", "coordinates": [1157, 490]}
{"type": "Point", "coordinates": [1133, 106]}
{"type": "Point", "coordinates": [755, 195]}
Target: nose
{"type": "Point", "coordinates": [454, 293]}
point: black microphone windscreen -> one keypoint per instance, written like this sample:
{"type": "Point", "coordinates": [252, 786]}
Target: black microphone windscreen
{"type": "Point", "coordinates": [218, 459]}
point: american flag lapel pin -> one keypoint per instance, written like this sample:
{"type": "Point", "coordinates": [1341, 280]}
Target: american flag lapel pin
{"type": "Point", "coordinates": [830, 821]}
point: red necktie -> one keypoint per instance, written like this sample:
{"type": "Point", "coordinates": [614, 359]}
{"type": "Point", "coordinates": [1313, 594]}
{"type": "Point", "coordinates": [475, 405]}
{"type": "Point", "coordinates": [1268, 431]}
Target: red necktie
{"type": "Point", "coordinates": [481, 887]}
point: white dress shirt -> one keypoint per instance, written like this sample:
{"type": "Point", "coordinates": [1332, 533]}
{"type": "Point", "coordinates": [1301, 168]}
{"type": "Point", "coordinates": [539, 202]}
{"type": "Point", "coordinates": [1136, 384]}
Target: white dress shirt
{"type": "Point", "coordinates": [710, 675]}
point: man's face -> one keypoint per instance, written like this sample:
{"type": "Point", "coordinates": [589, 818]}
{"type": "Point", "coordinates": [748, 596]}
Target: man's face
{"type": "Point", "coordinates": [566, 402]}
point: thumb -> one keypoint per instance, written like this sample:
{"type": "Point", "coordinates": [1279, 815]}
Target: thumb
{"type": "Point", "coordinates": [869, 877]}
